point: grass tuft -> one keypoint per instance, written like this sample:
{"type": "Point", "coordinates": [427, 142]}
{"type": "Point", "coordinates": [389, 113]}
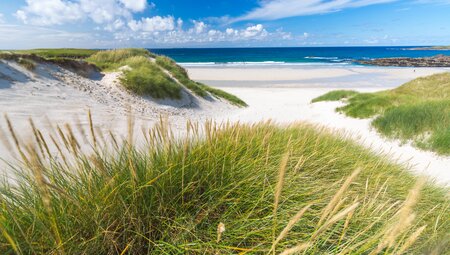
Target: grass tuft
{"type": "Point", "coordinates": [113, 59]}
{"type": "Point", "coordinates": [417, 111]}
{"type": "Point", "coordinates": [175, 196]}
{"type": "Point", "coordinates": [427, 122]}
{"type": "Point", "coordinates": [335, 95]}
{"type": "Point", "coordinates": [181, 75]}
{"type": "Point", "coordinates": [146, 78]}
{"type": "Point", "coordinates": [198, 88]}
{"type": "Point", "coordinates": [27, 63]}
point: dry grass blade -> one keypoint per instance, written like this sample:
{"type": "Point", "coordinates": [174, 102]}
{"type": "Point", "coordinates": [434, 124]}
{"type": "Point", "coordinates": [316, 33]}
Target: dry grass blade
{"type": "Point", "coordinates": [342, 214]}
{"type": "Point", "coordinates": [289, 226]}
{"type": "Point", "coordinates": [91, 128]}
{"type": "Point", "coordinates": [296, 249]}
{"type": "Point", "coordinates": [403, 219]}
{"type": "Point", "coordinates": [278, 189]}
{"type": "Point", "coordinates": [411, 240]}
{"type": "Point", "coordinates": [337, 197]}
{"type": "Point", "coordinates": [15, 139]}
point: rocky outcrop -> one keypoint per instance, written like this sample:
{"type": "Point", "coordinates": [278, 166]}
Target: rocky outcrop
{"type": "Point", "coordinates": [431, 48]}
{"type": "Point", "coordinates": [437, 61]}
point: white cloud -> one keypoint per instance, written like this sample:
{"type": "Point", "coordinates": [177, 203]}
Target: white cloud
{"type": "Point", "coordinates": [179, 24]}
{"type": "Point", "coordinates": [278, 9]}
{"type": "Point", "coordinates": [49, 12]}
{"type": "Point", "coordinates": [199, 27]}
{"type": "Point", "coordinates": [114, 24]}
{"type": "Point", "coordinates": [135, 5]}
{"type": "Point", "coordinates": [117, 25]}
{"type": "Point", "coordinates": [58, 12]}
{"type": "Point", "coordinates": [230, 31]}
{"type": "Point", "coordinates": [254, 31]}
{"type": "Point", "coordinates": [1, 18]}
{"type": "Point", "coordinates": [153, 24]}
{"type": "Point", "coordinates": [198, 34]}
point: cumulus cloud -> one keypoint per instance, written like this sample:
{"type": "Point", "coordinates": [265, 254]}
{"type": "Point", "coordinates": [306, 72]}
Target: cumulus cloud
{"type": "Point", "coordinates": [1, 18]}
{"type": "Point", "coordinates": [115, 19]}
{"type": "Point", "coordinates": [154, 24]}
{"type": "Point", "coordinates": [49, 12]}
{"type": "Point", "coordinates": [116, 25]}
{"type": "Point", "coordinates": [254, 31]}
{"type": "Point", "coordinates": [199, 27]}
{"type": "Point", "coordinates": [57, 12]}
{"type": "Point", "coordinates": [204, 35]}
{"type": "Point", "coordinates": [135, 5]}
{"type": "Point", "coordinates": [278, 9]}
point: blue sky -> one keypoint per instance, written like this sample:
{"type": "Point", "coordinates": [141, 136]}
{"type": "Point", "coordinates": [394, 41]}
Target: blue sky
{"type": "Point", "coordinates": [220, 23]}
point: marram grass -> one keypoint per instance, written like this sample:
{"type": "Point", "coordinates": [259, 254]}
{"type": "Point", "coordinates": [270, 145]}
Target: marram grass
{"type": "Point", "coordinates": [223, 189]}
{"type": "Point", "coordinates": [418, 111]}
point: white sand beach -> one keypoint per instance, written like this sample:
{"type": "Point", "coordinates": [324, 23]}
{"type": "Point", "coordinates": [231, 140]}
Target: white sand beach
{"type": "Point", "coordinates": [280, 93]}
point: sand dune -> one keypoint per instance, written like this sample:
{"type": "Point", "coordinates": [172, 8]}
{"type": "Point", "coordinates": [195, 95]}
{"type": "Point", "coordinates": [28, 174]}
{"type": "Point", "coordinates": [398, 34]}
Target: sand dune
{"type": "Point", "coordinates": [53, 96]}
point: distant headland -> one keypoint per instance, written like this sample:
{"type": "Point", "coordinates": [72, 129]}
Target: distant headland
{"type": "Point", "coordinates": [432, 48]}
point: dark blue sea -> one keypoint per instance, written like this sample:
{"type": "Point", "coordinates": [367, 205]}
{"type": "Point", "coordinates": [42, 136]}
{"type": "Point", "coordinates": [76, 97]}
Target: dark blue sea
{"type": "Point", "coordinates": [289, 56]}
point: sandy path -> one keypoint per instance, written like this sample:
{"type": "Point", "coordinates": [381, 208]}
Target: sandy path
{"type": "Point", "coordinates": [286, 104]}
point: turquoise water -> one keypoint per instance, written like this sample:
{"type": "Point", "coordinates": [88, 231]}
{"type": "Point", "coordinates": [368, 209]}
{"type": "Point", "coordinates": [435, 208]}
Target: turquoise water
{"type": "Point", "coordinates": [307, 55]}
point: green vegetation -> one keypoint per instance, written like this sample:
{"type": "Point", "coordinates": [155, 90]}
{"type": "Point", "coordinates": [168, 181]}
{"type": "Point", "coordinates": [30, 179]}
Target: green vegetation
{"type": "Point", "coordinates": [418, 110]}
{"type": "Point", "coordinates": [149, 74]}
{"type": "Point", "coordinates": [146, 78]}
{"type": "Point", "coordinates": [198, 88]}
{"type": "Point", "coordinates": [427, 122]}
{"type": "Point", "coordinates": [181, 75]}
{"type": "Point", "coordinates": [234, 189]}
{"type": "Point", "coordinates": [335, 95]}
{"type": "Point", "coordinates": [58, 53]}
{"type": "Point", "coordinates": [113, 59]}
{"type": "Point", "coordinates": [27, 63]}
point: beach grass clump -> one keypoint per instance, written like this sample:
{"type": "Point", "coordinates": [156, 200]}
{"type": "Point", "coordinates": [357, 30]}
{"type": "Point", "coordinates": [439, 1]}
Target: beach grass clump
{"type": "Point", "coordinates": [29, 64]}
{"type": "Point", "coordinates": [427, 122]}
{"type": "Point", "coordinates": [145, 78]}
{"type": "Point", "coordinates": [25, 62]}
{"type": "Point", "coordinates": [181, 75]}
{"type": "Point", "coordinates": [335, 95]}
{"type": "Point", "coordinates": [366, 105]}
{"type": "Point", "coordinates": [198, 88]}
{"type": "Point", "coordinates": [110, 60]}
{"type": "Point", "coordinates": [417, 111]}
{"type": "Point", "coordinates": [222, 189]}
{"type": "Point", "coordinates": [141, 75]}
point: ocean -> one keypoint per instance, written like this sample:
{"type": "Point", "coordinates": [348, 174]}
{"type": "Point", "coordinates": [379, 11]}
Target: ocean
{"type": "Point", "coordinates": [290, 56]}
